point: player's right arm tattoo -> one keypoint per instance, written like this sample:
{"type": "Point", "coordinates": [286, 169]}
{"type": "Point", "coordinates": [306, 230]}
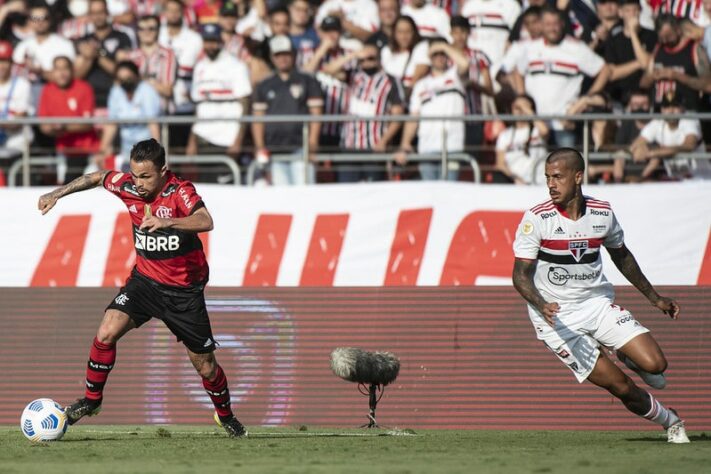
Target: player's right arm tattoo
{"type": "Point", "coordinates": [87, 181]}
{"type": "Point", "coordinates": [522, 277]}
{"type": "Point", "coordinates": [628, 266]}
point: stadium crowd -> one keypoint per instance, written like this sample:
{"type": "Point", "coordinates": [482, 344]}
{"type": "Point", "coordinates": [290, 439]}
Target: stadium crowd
{"type": "Point", "coordinates": [143, 59]}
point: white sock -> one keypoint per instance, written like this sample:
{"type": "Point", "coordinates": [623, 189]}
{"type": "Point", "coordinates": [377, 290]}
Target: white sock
{"type": "Point", "coordinates": [659, 414]}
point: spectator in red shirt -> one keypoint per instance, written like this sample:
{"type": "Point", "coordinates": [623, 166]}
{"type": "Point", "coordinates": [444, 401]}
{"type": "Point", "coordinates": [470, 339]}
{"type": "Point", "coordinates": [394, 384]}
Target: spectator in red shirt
{"type": "Point", "coordinates": [66, 96]}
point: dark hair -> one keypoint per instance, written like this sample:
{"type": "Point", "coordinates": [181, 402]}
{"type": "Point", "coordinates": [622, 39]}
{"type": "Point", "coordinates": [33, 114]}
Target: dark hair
{"type": "Point", "coordinates": [415, 37]}
{"type": "Point", "coordinates": [458, 21]}
{"type": "Point", "coordinates": [63, 58]}
{"type": "Point", "coordinates": [179, 2]}
{"type": "Point", "coordinates": [130, 65]}
{"type": "Point", "coordinates": [527, 145]}
{"type": "Point", "coordinates": [534, 10]}
{"type": "Point", "coordinates": [149, 150]}
{"type": "Point", "coordinates": [573, 159]}
{"type": "Point", "coordinates": [154, 18]}
{"type": "Point", "coordinates": [552, 11]}
{"type": "Point", "coordinates": [280, 9]}
{"type": "Point", "coordinates": [666, 19]}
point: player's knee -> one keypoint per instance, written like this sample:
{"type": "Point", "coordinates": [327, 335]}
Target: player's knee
{"type": "Point", "coordinates": [106, 335]}
{"type": "Point", "coordinates": [207, 369]}
{"type": "Point", "coordinates": [622, 388]}
{"type": "Point", "coordinates": [654, 365]}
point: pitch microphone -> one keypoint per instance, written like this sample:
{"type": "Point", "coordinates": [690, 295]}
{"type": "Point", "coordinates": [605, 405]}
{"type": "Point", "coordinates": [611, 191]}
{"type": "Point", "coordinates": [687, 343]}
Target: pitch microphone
{"type": "Point", "coordinates": [363, 367]}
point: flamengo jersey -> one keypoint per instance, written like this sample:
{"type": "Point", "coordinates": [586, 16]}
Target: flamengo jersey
{"type": "Point", "coordinates": [569, 268]}
{"type": "Point", "coordinates": [167, 256]}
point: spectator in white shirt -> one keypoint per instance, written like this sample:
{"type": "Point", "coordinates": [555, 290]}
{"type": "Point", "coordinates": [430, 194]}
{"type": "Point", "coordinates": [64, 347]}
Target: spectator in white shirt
{"type": "Point", "coordinates": [186, 44]}
{"type": "Point", "coordinates": [405, 57]}
{"type": "Point", "coordinates": [671, 136]}
{"type": "Point", "coordinates": [35, 55]}
{"type": "Point", "coordinates": [220, 88]}
{"type": "Point", "coordinates": [14, 103]}
{"type": "Point", "coordinates": [491, 21]}
{"type": "Point", "coordinates": [551, 69]}
{"type": "Point", "coordinates": [431, 21]}
{"type": "Point", "coordinates": [359, 19]}
{"type": "Point", "coordinates": [522, 145]}
{"type": "Point", "coordinates": [440, 93]}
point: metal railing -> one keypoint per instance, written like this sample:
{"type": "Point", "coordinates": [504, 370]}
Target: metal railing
{"type": "Point", "coordinates": [166, 121]}
{"type": "Point", "coordinates": [175, 159]}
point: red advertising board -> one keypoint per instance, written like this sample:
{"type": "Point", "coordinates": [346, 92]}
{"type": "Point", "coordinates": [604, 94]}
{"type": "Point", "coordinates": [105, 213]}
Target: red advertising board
{"type": "Point", "coordinates": [469, 357]}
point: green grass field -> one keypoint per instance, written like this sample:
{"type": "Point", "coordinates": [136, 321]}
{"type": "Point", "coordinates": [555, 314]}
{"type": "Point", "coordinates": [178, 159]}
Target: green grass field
{"type": "Point", "coordinates": [191, 449]}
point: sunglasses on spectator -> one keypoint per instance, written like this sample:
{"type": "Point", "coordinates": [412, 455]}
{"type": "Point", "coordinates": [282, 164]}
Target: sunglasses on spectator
{"type": "Point", "coordinates": [368, 58]}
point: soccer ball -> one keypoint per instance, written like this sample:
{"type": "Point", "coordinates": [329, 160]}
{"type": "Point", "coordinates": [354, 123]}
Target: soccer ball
{"type": "Point", "coordinates": [43, 420]}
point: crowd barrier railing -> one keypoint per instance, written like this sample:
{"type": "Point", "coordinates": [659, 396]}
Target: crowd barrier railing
{"type": "Point", "coordinates": [166, 121]}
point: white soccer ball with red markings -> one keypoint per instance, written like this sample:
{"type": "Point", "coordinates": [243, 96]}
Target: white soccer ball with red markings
{"type": "Point", "coordinates": [43, 420]}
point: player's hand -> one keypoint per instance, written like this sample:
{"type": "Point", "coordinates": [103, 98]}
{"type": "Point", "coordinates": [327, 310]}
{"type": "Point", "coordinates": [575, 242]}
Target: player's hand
{"type": "Point", "coordinates": [47, 202]}
{"type": "Point", "coordinates": [153, 223]}
{"type": "Point", "coordinates": [668, 306]}
{"type": "Point", "coordinates": [549, 312]}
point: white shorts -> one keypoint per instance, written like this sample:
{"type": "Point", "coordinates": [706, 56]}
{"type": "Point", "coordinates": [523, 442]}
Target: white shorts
{"type": "Point", "coordinates": [581, 329]}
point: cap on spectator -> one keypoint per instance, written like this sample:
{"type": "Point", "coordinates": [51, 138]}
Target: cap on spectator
{"type": "Point", "coordinates": [628, 2]}
{"type": "Point", "coordinates": [458, 21]}
{"type": "Point", "coordinates": [331, 23]}
{"type": "Point", "coordinates": [211, 32]}
{"type": "Point", "coordinates": [5, 51]}
{"type": "Point", "coordinates": [670, 99]}
{"type": "Point", "coordinates": [280, 44]}
{"type": "Point", "coordinates": [377, 39]}
{"type": "Point", "coordinates": [229, 9]}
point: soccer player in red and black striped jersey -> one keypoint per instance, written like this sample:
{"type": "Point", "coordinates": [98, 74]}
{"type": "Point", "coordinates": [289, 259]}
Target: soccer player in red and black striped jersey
{"type": "Point", "coordinates": [168, 280]}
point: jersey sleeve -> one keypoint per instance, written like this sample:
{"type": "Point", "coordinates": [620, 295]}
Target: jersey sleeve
{"type": "Point", "coordinates": [590, 63]}
{"type": "Point", "coordinates": [528, 237]}
{"type": "Point", "coordinates": [188, 200]}
{"type": "Point", "coordinates": [114, 181]}
{"type": "Point", "coordinates": [615, 238]}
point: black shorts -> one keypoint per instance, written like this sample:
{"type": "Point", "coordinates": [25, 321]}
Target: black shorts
{"type": "Point", "coordinates": [182, 310]}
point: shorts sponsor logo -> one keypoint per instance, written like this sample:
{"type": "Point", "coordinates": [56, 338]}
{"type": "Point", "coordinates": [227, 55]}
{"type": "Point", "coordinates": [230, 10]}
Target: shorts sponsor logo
{"type": "Point", "coordinates": [164, 212]}
{"type": "Point", "coordinates": [186, 198]}
{"type": "Point", "coordinates": [595, 212]}
{"type": "Point", "coordinates": [578, 248]}
{"type": "Point", "coordinates": [559, 276]}
{"type": "Point", "coordinates": [574, 367]}
{"type": "Point", "coordinates": [207, 343]}
{"type": "Point", "coordinates": [527, 228]}
{"type": "Point", "coordinates": [121, 299]}
{"type": "Point", "coordinates": [626, 318]}
{"type": "Point", "coordinates": [546, 215]}
{"type": "Point", "coordinates": [563, 354]}
{"type": "Point", "coordinates": [160, 243]}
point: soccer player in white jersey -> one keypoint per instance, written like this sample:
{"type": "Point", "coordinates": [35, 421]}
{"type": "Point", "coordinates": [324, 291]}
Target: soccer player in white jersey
{"type": "Point", "coordinates": [558, 271]}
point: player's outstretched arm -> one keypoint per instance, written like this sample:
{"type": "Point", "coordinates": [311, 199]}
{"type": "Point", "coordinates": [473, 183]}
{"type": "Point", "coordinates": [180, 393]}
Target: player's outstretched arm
{"type": "Point", "coordinates": [198, 221]}
{"type": "Point", "coordinates": [88, 181]}
{"type": "Point", "coordinates": [628, 266]}
{"type": "Point", "coordinates": [523, 273]}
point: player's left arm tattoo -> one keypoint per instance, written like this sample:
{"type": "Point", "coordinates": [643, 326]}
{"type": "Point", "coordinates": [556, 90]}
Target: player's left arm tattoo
{"type": "Point", "coordinates": [628, 266]}
{"type": "Point", "coordinates": [522, 277]}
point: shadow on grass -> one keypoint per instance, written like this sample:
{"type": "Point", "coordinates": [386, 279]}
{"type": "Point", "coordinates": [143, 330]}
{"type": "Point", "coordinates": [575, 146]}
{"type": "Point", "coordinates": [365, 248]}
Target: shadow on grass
{"type": "Point", "coordinates": [702, 438]}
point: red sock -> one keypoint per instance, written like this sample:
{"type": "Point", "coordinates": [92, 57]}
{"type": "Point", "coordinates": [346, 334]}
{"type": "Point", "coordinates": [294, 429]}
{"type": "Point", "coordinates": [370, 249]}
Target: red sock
{"type": "Point", "coordinates": [219, 393]}
{"type": "Point", "coordinates": [101, 361]}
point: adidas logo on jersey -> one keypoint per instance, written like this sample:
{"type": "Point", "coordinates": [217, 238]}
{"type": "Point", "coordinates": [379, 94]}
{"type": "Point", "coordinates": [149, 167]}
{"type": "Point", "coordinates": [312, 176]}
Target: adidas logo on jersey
{"type": "Point", "coordinates": [133, 209]}
{"type": "Point", "coordinates": [559, 231]}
